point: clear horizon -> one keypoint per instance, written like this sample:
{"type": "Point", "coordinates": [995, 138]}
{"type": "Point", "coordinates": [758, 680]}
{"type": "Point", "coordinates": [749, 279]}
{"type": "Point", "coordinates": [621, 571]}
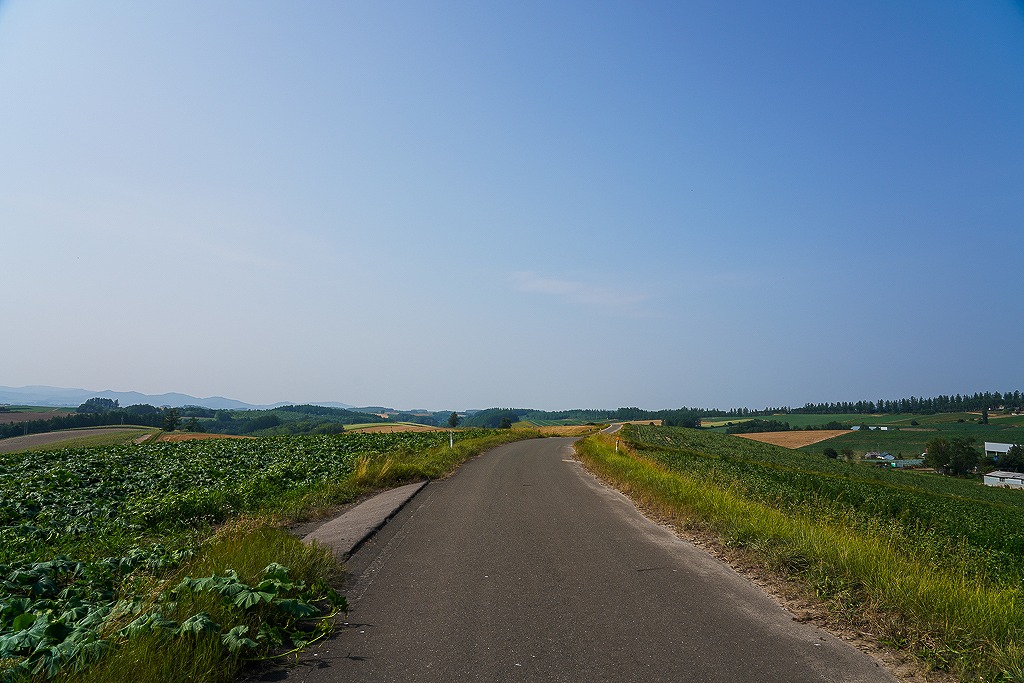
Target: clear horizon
{"type": "Point", "coordinates": [529, 205]}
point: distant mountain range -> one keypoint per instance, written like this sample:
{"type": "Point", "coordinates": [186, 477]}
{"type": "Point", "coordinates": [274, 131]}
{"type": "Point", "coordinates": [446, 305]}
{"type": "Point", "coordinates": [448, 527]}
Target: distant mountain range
{"type": "Point", "coordinates": [64, 397]}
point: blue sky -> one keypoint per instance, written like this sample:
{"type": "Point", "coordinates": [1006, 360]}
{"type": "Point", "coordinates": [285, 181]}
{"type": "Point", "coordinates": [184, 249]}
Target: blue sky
{"type": "Point", "coordinates": [551, 205]}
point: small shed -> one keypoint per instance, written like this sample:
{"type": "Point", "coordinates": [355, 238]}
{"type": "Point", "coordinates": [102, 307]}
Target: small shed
{"type": "Point", "coordinates": [994, 450]}
{"type": "Point", "coordinates": [1009, 480]}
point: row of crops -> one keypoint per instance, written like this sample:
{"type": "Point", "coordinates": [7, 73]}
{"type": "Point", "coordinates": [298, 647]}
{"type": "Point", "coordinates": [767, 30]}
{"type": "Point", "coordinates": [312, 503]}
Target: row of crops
{"type": "Point", "coordinates": [81, 528]}
{"type": "Point", "coordinates": [936, 517]}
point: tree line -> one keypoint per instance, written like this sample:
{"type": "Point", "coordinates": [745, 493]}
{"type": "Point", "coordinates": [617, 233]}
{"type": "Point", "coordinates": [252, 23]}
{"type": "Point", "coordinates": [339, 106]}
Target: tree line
{"type": "Point", "coordinates": [989, 400]}
{"type": "Point", "coordinates": [143, 415]}
{"type": "Point", "coordinates": [755, 426]}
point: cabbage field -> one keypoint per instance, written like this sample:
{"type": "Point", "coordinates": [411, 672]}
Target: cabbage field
{"type": "Point", "coordinates": [82, 531]}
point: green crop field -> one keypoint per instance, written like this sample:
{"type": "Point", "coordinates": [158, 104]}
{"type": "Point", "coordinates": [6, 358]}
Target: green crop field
{"type": "Point", "coordinates": [936, 514]}
{"type": "Point", "coordinates": [935, 564]}
{"type": "Point", "coordinates": [910, 442]}
{"type": "Point", "coordinates": [95, 544]}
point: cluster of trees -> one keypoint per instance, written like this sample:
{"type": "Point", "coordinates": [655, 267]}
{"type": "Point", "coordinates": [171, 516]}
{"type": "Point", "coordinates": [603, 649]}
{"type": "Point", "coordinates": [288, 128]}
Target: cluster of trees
{"type": "Point", "coordinates": [141, 414]}
{"type": "Point", "coordinates": [682, 417]}
{"type": "Point", "coordinates": [291, 419]}
{"type": "Point", "coordinates": [494, 418]}
{"type": "Point", "coordinates": [989, 400]}
{"type": "Point", "coordinates": [754, 426]}
{"type": "Point", "coordinates": [958, 456]}
{"type": "Point", "coordinates": [1013, 461]}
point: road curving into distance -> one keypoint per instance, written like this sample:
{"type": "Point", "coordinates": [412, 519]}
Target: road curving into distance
{"type": "Point", "coordinates": [523, 567]}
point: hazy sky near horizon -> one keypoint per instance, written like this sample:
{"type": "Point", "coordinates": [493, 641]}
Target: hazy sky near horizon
{"type": "Point", "coordinates": [533, 204]}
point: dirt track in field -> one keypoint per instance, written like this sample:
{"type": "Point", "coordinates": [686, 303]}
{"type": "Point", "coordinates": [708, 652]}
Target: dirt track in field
{"type": "Point", "coordinates": [22, 443]}
{"type": "Point", "coordinates": [795, 439]}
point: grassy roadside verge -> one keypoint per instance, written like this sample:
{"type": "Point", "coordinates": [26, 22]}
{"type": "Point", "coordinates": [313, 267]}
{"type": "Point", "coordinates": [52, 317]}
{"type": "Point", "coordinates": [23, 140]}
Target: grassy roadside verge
{"type": "Point", "coordinates": [378, 472]}
{"type": "Point", "coordinates": [948, 618]}
{"type": "Point", "coordinates": [204, 578]}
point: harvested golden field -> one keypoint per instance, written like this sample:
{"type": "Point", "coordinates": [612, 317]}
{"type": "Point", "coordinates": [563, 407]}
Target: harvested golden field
{"type": "Point", "coordinates": [567, 430]}
{"type": "Point", "coordinates": [795, 439]}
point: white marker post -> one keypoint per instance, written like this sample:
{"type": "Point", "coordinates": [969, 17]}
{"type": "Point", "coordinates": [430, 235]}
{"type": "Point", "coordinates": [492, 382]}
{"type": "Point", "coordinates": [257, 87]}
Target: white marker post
{"type": "Point", "coordinates": [451, 439]}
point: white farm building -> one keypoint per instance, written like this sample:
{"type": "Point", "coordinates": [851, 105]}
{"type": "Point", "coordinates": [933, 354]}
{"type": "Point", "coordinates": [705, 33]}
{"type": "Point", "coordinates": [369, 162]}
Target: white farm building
{"type": "Point", "coordinates": [994, 450]}
{"type": "Point", "coordinates": [1010, 480]}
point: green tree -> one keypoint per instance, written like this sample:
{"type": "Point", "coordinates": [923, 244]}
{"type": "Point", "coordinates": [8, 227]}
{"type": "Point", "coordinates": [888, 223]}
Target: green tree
{"type": "Point", "coordinates": [454, 420]}
{"type": "Point", "coordinates": [171, 420]}
{"type": "Point", "coordinates": [956, 456]}
{"type": "Point", "coordinates": [97, 405]}
{"type": "Point", "coordinates": [506, 423]}
{"type": "Point", "coordinates": [831, 453]}
{"type": "Point", "coordinates": [1013, 461]}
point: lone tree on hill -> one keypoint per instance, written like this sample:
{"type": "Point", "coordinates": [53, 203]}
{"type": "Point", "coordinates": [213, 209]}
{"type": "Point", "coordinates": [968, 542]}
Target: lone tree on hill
{"type": "Point", "coordinates": [454, 420]}
{"type": "Point", "coordinates": [171, 420]}
{"type": "Point", "coordinates": [956, 456]}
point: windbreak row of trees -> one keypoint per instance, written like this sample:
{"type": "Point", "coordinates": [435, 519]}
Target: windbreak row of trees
{"type": "Point", "coordinates": [756, 426]}
{"type": "Point", "coordinates": [100, 412]}
{"type": "Point", "coordinates": [1013, 400]}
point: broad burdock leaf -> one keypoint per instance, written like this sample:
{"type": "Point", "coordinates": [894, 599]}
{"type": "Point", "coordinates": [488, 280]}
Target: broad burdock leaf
{"type": "Point", "coordinates": [296, 608]}
{"type": "Point", "coordinates": [147, 623]}
{"type": "Point", "coordinates": [22, 621]}
{"type": "Point", "coordinates": [250, 598]}
{"type": "Point", "coordinates": [198, 624]}
{"type": "Point", "coordinates": [276, 572]}
{"type": "Point", "coordinates": [235, 640]}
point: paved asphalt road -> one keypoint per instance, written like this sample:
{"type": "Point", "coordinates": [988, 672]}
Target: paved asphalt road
{"type": "Point", "coordinates": [522, 567]}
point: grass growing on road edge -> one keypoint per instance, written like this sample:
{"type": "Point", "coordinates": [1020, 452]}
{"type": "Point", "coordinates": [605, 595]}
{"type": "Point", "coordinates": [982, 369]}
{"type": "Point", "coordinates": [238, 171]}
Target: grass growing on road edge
{"type": "Point", "coordinates": [951, 620]}
{"type": "Point", "coordinates": [375, 471]}
{"type": "Point", "coordinates": [244, 547]}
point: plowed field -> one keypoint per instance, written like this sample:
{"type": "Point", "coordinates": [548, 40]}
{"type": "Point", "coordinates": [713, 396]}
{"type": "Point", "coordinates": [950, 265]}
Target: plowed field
{"type": "Point", "coordinates": [795, 439]}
